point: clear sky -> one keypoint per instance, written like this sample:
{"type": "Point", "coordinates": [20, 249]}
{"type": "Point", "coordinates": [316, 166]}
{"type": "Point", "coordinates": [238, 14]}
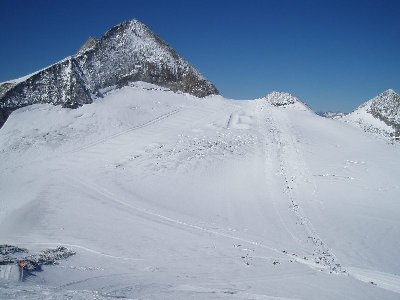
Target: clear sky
{"type": "Point", "coordinates": [332, 54]}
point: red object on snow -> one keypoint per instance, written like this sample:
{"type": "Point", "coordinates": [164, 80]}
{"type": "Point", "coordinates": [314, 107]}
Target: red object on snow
{"type": "Point", "coordinates": [22, 263]}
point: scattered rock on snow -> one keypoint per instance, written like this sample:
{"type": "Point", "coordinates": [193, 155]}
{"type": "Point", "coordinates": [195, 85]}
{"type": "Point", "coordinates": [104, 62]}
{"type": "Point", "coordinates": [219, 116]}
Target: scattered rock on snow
{"type": "Point", "coordinates": [8, 249]}
{"type": "Point", "coordinates": [47, 257]}
{"type": "Point", "coordinates": [33, 262]}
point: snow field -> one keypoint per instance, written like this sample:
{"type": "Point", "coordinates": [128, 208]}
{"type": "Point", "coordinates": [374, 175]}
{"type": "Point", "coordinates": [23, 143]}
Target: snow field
{"type": "Point", "coordinates": [163, 195]}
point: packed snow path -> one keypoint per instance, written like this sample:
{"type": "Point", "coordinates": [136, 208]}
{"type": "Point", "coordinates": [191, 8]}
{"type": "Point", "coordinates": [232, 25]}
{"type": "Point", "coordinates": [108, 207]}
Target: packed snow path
{"type": "Point", "coordinates": [165, 196]}
{"type": "Point", "coordinates": [285, 167]}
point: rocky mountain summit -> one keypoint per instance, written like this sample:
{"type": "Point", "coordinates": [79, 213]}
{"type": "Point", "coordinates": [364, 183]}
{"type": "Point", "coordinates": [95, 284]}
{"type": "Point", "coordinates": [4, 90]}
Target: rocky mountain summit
{"type": "Point", "coordinates": [126, 53]}
{"type": "Point", "coordinates": [281, 98]}
{"type": "Point", "coordinates": [386, 107]}
{"type": "Point", "coordinates": [380, 114]}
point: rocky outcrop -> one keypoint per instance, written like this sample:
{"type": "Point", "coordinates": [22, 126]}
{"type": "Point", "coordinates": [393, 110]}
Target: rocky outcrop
{"type": "Point", "coordinates": [12, 255]}
{"type": "Point", "coordinates": [281, 99]}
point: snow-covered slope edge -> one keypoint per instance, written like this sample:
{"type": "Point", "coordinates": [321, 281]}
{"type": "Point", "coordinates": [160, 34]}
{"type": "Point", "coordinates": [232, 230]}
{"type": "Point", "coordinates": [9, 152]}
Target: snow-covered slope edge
{"type": "Point", "coordinates": [126, 53]}
{"type": "Point", "coordinates": [380, 115]}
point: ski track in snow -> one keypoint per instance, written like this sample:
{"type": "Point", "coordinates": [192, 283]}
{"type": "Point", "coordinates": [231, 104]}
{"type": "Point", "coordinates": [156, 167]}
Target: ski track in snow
{"type": "Point", "coordinates": [101, 141]}
{"type": "Point", "coordinates": [111, 197]}
{"type": "Point", "coordinates": [228, 293]}
{"type": "Point", "coordinates": [323, 255]}
{"type": "Point", "coordinates": [383, 280]}
{"type": "Point", "coordinates": [101, 191]}
{"type": "Point", "coordinates": [108, 138]}
{"type": "Point", "coordinates": [283, 139]}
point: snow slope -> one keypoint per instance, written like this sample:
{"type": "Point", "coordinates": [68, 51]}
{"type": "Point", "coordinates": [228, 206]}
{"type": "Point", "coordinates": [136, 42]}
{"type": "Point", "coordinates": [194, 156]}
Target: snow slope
{"type": "Point", "coordinates": [166, 196]}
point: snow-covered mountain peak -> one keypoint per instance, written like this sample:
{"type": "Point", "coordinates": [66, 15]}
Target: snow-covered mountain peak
{"type": "Point", "coordinates": [385, 106]}
{"type": "Point", "coordinates": [128, 52]}
{"type": "Point", "coordinates": [385, 96]}
{"type": "Point", "coordinates": [380, 115]}
{"type": "Point", "coordinates": [389, 92]}
{"type": "Point", "coordinates": [128, 28]}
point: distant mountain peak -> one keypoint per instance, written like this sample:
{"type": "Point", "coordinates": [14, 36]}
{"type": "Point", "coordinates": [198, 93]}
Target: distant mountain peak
{"type": "Point", "coordinates": [389, 92]}
{"type": "Point", "coordinates": [386, 107]}
{"type": "Point", "coordinates": [386, 94]}
{"type": "Point", "coordinates": [380, 115]}
{"type": "Point", "coordinates": [131, 27]}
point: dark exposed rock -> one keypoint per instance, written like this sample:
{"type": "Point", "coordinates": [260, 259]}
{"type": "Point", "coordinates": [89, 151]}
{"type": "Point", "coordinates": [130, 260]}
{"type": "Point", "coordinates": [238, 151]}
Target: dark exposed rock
{"type": "Point", "coordinates": [4, 87]}
{"type": "Point", "coordinates": [88, 45]}
{"type": "Point", "coordinates": [281, 99]}
{"type": "Point", "coordinates": [47, 257]}
{"type": "Point", "coordinates": [126, 53]}
{"type": "Point", "coordinates": [33, 262]}
{"type": "Point", "coordinates": [386, 107]}
{"type": "Point", "coordinates": [9, 249]}
{"type": "Point", "coordinates": [60, 84]}
{"type": "Point", "coordinates": [7, 260]}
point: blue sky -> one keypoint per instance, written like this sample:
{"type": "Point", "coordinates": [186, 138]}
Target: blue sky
{"type": "Point", "coordinates": [332, 54]}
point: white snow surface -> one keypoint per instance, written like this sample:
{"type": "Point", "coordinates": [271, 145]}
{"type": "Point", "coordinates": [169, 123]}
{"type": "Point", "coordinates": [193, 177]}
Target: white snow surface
{"type": "Point", "coordinates": [168, 196]}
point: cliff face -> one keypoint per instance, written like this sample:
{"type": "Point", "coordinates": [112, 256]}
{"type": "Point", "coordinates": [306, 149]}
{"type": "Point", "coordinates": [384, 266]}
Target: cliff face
{"type": "Point", "coordinates": [126, 53]}
{"type": "Point", "coordinates": [62, 83]}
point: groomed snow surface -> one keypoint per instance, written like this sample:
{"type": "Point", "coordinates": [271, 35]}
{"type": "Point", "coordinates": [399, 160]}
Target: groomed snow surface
{"type": "Point", "coordinates": [167, 196]}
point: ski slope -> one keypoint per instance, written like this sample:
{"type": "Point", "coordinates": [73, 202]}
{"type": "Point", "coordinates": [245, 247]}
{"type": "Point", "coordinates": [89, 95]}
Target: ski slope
{"type": "Point", "coordinates": [167, 196]}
